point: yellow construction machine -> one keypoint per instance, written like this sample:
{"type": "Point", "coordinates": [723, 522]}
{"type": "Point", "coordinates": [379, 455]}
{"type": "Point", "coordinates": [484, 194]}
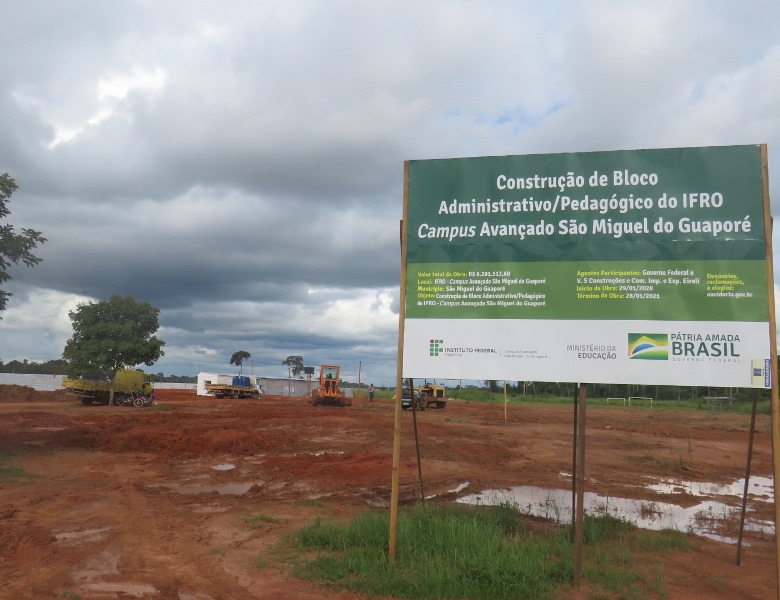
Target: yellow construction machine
{"type": "Point", "coordinates": [329, 391]}
{"type": "Point", "coordinates": [128, 383]}
{"type": "Point", "coordinates": [429, 395]}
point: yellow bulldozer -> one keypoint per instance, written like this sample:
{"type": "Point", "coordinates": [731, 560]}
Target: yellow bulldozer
{"type": "Point", "coordinates": [329, 391]}
{"type": "Point", "coordinates": [433, 395]}
{"type": "Point", "coordinates": [429, 395]}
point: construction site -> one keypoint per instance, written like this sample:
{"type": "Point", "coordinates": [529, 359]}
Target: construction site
{"type": "Point", "coordinates": [194, 499]}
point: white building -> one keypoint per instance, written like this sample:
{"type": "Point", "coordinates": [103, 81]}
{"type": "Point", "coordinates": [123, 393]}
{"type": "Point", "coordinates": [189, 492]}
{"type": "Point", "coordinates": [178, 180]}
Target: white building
{"type": "Point", "coordinates": [275, 386]}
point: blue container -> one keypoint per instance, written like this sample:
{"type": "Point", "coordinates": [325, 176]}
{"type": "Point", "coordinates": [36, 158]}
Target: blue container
{"type": "Point", "coordinates": [241, 380]}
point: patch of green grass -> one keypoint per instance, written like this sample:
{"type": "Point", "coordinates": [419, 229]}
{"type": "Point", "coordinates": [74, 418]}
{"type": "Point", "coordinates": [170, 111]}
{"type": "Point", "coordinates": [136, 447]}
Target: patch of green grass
{"type": "Point", "coordinates": [476, 553]}
{"type": "Point", "coordinates": [11, 473]}
{"type": "Point", "coordinates": [675, 463]}
{"type": "Point", "coordinates": [68, 595]}
{"type": "Point", "coordinates": [315, 502]}
{"type": "Point", "coordinates": [218, 551]}
{"type": "Point", "coordinates": [763, 407]}
{"type": "Point", "coordinates": [717, 583]}
{"type": "Point", "coordinates": [658, 584]}
{"type": "Point", "coordinates": [259, 521]}
{"type": "Point", "coordinates": [668, 540]}
{"type": "Point", "coordinates": [646, 457]}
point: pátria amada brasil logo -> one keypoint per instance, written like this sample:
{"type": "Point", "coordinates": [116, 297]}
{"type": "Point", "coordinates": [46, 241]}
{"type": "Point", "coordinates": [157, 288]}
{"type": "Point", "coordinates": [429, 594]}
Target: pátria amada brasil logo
{"type": "Point", "coordinates": [648, 346]}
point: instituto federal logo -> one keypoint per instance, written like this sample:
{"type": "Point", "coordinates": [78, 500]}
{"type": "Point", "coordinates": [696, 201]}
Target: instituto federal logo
{"type": "Point", "coordinates": [648, 346]}
{"type": "Point", "coordinates": [436, 347]}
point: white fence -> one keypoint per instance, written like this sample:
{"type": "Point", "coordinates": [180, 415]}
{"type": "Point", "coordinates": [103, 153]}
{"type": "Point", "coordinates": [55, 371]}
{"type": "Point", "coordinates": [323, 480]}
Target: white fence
{"type": "Point", "coordinates": [50, 383]}
{"type": "Point", "coordinates": [163, 385]}
{"type": "Point", "coordinates": [42, 383]}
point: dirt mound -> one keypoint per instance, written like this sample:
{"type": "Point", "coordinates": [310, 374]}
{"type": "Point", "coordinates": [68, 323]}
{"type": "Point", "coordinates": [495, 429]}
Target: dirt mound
{"type": "Point", "coordinates": [23, 393]}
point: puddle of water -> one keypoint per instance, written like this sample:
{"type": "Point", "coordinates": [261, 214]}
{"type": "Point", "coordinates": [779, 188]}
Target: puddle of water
{"type": "Point", "coordinates": [135, 590]}
{"type": "Point", "coordinates": [211, 509]}
{"type": "Point", "coordinates": [762, 487]}
{"type": "Point", "coordinates": [194, 596]}
{"type": "Point", "coordinates": [709, 518]}
{"type": "Point", "coordinates": [224, 467]}
{"type": "Point", "coordinates": [459, 488]}
{"type": "Point", "coordinates": [225, 489]}
{"type": "Point", "coordinates": [72, 538]}
{"type": "Point", "coordinates": [104, 564]}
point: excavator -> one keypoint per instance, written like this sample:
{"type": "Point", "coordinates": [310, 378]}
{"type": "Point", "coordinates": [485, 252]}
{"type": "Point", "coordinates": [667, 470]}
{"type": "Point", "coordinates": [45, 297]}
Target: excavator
{"type": "Point", "coordinates": [329, 391]}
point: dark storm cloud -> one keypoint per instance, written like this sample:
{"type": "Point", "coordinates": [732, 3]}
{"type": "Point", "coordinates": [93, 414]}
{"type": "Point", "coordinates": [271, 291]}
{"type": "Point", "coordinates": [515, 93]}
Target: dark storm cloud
{"type": "Point", "coordinates": [240, 166]}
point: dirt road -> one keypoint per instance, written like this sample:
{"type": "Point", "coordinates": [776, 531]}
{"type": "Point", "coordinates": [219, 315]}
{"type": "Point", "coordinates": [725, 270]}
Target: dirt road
{"type": "Point", "coordinates": [187, 501]}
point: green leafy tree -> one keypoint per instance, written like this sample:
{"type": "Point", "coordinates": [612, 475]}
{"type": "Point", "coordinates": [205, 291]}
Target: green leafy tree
{"type": "Point", "coordinates": [112, 334]}
{"type": "Point", "coordinates": [492, 385]}
{"type": "Point", "coordinates": [14, 247]}
{"type": "Point", "coordinates": [238, 359]}
{"type": "Point", "coordinates": [294, 365]}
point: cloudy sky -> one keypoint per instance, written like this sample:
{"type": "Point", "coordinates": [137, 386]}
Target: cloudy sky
{"type": "Point", "coordinates": [240, 164]}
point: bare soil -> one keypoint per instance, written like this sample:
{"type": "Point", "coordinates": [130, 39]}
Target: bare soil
{"type": "Point", "coordinates": [119, 502]}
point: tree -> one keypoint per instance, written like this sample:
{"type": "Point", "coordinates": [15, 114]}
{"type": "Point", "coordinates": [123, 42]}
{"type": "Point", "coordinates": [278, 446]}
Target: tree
{"type": "Point", "coordinates": [238, 359]}
{"type": "Point", "coordinates": [294, 365]}
{"type": "Point", "coordinates": [112, 334]}
{"type": "Point", "coordinates": [492, 385]}
{"type": "Point", "coordinates": [14, 247]}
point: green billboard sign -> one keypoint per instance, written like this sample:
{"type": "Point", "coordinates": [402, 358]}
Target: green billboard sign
{"type": "Point", "coordinates": [550, 267]}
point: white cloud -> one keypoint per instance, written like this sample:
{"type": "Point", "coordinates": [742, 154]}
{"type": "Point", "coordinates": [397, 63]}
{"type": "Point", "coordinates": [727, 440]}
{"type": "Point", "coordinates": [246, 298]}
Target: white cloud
{"type": "Point", "coordinates": [242, 169]}
{"type": "Point", "coordinates": [368, 314]}
{"type": "Point", "coordinates": [36, 325]}
{"type": "Point", "coordinates": [111, 92]}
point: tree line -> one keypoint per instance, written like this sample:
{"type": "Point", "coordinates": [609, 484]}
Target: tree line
{"type": "Point", "coordinates": [49, 367]}
{"type": "Point", "coordinates": [60, 367]}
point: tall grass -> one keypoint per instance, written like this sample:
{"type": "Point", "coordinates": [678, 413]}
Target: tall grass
{"type": "Point", "coordinates": [465, 553]}
{"type": "Point", "coordinates": [11, 473]}
{"type": "Point", "coordinates": [485, 396]}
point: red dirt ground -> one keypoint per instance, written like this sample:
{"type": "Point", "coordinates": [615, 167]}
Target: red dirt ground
{"type": "Point", "coordinates": [122, 502]}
